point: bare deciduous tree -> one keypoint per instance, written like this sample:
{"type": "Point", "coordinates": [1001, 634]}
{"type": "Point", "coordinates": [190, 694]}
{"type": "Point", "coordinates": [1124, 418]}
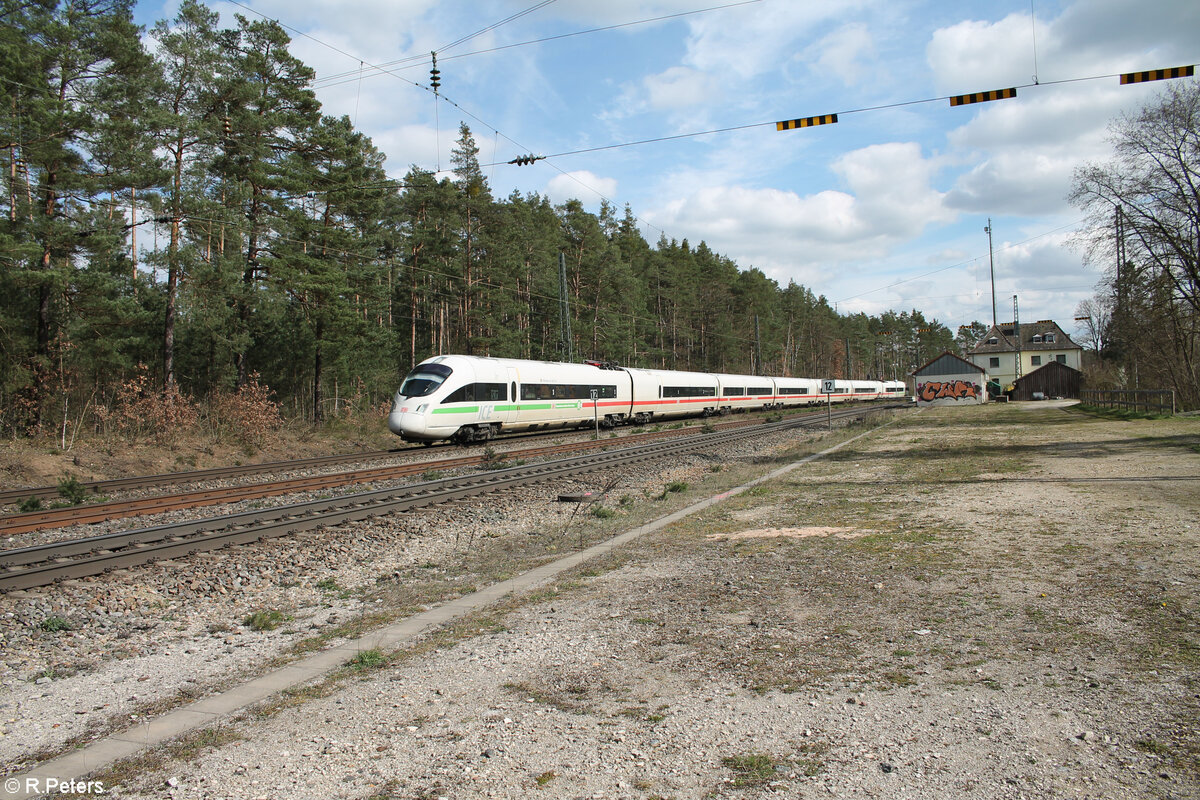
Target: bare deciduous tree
{"type": "Point", "coordinates": [1144, 213]}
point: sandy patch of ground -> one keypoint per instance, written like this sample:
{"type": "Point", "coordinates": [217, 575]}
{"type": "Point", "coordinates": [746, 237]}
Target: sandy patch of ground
{"type": "Point", "coordinates": [790, 533]}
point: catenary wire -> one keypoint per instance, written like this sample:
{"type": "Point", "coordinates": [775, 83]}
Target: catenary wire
{"type": "Point", "coordinates": [337, 79]}
{"type": "Point", "coordinates": [495, 25]}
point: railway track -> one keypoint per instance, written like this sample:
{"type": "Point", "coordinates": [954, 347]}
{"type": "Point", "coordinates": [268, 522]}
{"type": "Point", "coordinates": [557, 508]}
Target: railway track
{"type": "Point", "coordinates": [30, 567]}
{"type": "Point", "coordinates": [99, 512]}
{"type": "Point", "coordinates": [13, 496]}
{"type": "Point", "coordinates": [9, 496]}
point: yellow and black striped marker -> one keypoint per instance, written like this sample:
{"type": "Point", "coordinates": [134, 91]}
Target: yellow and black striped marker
{"type": "Point", "coordinates": [983, 97]}
{"type": "Point", "coordinates": [1158, 74]}
{"type": "Point", "coordinates": [807, 122]}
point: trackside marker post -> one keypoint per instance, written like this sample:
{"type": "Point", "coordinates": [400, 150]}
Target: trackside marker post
{"type": "Point", "coordinates": [827, 388]}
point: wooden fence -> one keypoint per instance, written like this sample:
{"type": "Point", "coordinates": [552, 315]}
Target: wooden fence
{"type": "Point", "coordinates": [1150, 401]}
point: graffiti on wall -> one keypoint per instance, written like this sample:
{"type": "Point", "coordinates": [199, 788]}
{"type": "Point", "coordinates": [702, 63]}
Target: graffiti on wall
{"type": "Point", "coordinates": [948, 390]}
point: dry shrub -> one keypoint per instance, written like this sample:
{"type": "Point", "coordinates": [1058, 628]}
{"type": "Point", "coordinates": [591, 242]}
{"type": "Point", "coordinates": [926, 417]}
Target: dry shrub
{"type": "Point", "coordinates": [248, 414]}
{"type": "Point", "coordinates": [138, 411]}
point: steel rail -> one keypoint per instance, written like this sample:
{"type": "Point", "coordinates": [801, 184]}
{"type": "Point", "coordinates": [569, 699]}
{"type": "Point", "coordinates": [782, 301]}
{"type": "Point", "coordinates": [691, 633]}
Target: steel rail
{"type": "Point", "coordinates": [100, 512]}
{"type": "Point", "coordinates": [8, 496]}
{"type": "Point", "coordinates": [41, 565]}
{"type": "Point", "coordinates": [13, 496]}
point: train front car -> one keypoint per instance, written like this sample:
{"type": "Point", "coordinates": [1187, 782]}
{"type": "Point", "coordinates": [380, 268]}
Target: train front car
{"type": "Point", "coordinates": [445, 397]}
{"type": "Point", "coordinates": [420, 392]}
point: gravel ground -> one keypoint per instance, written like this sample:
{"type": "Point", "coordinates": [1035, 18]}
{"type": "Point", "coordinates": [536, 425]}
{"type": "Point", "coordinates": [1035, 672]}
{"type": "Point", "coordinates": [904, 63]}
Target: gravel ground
{"type": "Point", "coordinates": [990, 602]}
{"type": "Point", "coordinates": [95, 655]}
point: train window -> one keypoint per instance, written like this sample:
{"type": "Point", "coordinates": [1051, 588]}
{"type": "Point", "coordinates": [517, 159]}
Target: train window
{"type": "Point", "coordinates": [514, 391]}
{"type": "Point", "coordinates": [793, 390]}
{"type": "Point", "coordinates": [423, 380]}
{"type": "Point", "coordinates": [689, 391]}
{"type": "Point", "coordinates": [565, 391]}
{"type": "Point", "coordinates": [861, 390]}
{"type": "Point", "coordinates": [478, 393]}
{"type": "Point", "coordinates": [461, 395]}
{"type": "Point", "coordinates": [734, 391]}
{"type": "Point", "coordinates": [759, 390]}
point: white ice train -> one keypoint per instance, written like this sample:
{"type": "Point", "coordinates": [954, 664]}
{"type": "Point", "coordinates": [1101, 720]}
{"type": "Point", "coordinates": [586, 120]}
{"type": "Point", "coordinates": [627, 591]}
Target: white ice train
{"type": "Point", "coordinates": [471, 399]}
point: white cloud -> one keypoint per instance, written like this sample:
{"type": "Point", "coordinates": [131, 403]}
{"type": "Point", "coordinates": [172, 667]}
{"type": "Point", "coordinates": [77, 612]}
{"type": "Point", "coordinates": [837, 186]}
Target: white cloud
{"type": "Point", "coordinates": [580, 184]}
{"type": "Point", "coordinates": [750, 40]}
{"type": "Point", "coordinates": [893, 185]}
{"type": "Point", "coordinates": [679, 87]}
{"type": "Point", "coordinates": [974, 56]}
{"type": "Point", "coordinates": [889, 200]}
{"type": "Point", "coordinates": [407, 145]}
{"type": "Point", "coordinates": [844, 55]}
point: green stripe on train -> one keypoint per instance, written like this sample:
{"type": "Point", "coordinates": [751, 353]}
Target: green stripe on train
{"type": "Point", "coordinates": [463, 410]}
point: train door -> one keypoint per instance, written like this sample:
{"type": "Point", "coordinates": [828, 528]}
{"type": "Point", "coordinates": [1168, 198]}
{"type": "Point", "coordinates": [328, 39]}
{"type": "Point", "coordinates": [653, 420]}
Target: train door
{"type": "Point", "coordinates": [506, 412]}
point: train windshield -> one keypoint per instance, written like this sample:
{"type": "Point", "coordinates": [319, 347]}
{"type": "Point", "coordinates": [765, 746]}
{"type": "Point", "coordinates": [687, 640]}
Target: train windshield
{"type": "Point", "coordinates": [424, 380]}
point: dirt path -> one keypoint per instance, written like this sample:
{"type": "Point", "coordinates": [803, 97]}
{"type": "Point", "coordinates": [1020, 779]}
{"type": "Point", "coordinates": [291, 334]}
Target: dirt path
{"type": "Point", "coordinates": [993, 602]}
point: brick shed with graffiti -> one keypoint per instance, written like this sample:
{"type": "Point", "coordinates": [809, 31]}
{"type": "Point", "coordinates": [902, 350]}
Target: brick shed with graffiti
{"type": "Point", "coordinates": [950, 380]}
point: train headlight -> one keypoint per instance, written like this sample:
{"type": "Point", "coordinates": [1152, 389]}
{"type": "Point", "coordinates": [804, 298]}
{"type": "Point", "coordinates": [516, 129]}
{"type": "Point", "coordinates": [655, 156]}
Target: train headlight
{"type": "Point", "coordinates": [421, 408]}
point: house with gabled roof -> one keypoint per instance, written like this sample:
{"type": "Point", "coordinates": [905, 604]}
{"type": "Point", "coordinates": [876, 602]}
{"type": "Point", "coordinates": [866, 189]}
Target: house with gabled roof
{"type": "Point", "coordinates": [1009, 350]}
{"type": "Point", "coordinates": [950, 379]}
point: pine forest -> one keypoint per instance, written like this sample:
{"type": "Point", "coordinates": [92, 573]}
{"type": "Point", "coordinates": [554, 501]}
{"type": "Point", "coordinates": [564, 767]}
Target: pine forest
{"type": "Point", "coordinates": [182, 225]}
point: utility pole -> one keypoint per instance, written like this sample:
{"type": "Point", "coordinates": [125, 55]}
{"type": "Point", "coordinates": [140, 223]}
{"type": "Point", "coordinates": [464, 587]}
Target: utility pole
{"type": "Point", "coordinates": [757, 348]}
{"type": "Point", "coordinates": [1017, 336]}
{"type": "Point", "coordinates": [566, 344]}
{"type": "Point", "coordinates": [992, 267]}
{"type": "Point", "coordinates": [1118, 318]}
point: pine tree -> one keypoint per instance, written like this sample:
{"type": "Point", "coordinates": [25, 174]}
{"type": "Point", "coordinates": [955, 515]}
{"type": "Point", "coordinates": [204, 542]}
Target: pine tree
{"type": "Point", "coordinates": [270, 106]}
{"type": "Point", "coordinates": [75, 98]}
{"type": "Point", "coordinates": [188, 131]}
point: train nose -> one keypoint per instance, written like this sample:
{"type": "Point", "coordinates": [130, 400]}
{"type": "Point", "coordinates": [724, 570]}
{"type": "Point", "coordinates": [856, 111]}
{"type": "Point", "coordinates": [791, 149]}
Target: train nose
{"type": "Point", "coordinates": [407, 418]}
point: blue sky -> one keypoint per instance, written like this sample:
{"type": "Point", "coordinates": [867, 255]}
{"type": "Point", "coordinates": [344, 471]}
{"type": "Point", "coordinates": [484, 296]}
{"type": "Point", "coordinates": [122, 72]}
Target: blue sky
{"type": "Point", "coordinates": [884, 210]}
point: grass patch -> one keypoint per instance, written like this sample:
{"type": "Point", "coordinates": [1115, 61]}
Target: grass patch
{"type": "Point", "coordinates": [1120, 413]}
{"type": "Point", "coordinates": [898, 678]}
{"type": "Point", "coordinates": [752, 769]}
{"type": "Point", "coordinates": [266, 620]}
{"type": "Point", "coordinates": [672, 488]}
{"type": "Point", "coordinates": [368, 659]}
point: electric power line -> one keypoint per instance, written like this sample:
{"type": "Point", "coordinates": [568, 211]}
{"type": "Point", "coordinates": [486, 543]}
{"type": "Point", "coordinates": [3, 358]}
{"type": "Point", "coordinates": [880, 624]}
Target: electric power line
{"type": "Point", "coordinates": [337, 79]}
